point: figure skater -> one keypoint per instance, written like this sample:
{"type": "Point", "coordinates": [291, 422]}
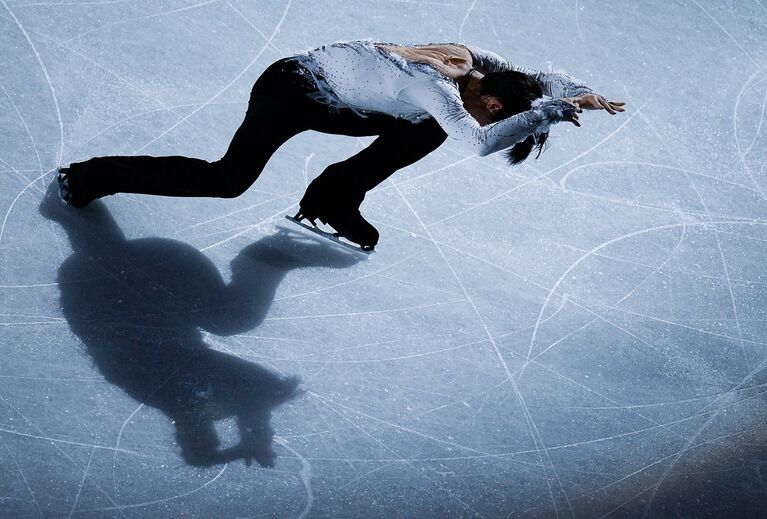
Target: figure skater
{"type": "Point", "coordinates": [412, 97]}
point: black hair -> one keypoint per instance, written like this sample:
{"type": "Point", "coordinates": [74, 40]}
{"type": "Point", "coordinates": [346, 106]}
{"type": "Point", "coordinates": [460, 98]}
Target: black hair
{"type": "Point", "coordinates": [516, 92]}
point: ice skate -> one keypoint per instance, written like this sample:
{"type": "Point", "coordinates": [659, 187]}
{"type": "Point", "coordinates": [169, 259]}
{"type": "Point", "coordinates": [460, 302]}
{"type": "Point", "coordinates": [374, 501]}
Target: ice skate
{"type": "Point", "coordinates": [361, 235]}
{"type": "Point", "coordinates": [332, 202]}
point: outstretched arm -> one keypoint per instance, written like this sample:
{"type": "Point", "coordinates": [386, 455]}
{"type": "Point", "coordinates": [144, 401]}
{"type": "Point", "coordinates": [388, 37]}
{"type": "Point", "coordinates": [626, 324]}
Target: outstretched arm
{"type": "Point", "coordinates": [553, 84]}
{"type": "Point", "coordinates": [443, 102]}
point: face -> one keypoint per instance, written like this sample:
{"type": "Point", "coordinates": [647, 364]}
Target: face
{"type": "Point", "coordinates": [493, 106]}
{"type": "Point", "coordinates": [484, 108]}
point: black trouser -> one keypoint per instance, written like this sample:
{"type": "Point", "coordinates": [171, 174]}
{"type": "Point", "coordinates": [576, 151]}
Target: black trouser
{"type": "Point", "coordinates": [280, 107]}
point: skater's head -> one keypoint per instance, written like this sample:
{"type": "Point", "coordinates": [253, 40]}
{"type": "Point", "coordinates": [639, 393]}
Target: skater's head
{"type": "Point", "coordinates": [513, 92]}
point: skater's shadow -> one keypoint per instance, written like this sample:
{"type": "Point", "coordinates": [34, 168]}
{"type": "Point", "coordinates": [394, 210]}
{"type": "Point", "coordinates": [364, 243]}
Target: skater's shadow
{"type": "Point", "coordinates": [140, 306]}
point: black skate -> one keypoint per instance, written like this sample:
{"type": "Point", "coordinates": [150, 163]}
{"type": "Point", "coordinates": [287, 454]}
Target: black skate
{"type": "Point", "coordinates": [352, 227]}
{"type": "Point", "coordinates": [334, 199]}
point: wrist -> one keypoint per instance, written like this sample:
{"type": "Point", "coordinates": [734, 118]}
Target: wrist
{"type": "Point", "coordinates": [557, 110]}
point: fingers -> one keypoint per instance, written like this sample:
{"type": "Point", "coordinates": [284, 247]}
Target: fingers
{"type": "Point", "coordinates": [592, 102]}
{"type": "Point", "coordinates": [611, 106]}
{"type": "Point", "coordinates": [597, 102]}
{"type": "Point", "coordinates": [574, 120]}
{"type": "Point", "coordinates": [617, 106]}
{"type": "Point", "coordinates": [604, 104]}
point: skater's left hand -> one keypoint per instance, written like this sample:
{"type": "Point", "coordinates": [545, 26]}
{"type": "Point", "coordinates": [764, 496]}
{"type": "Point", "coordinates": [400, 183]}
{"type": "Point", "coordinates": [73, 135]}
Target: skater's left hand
{"type": "Point", "coordinates": [597, 102]}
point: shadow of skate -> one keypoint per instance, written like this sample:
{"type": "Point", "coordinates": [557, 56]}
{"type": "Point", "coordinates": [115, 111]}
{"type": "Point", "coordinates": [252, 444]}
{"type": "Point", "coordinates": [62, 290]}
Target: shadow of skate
{"type": "Point", "coordinates": [140, 306]}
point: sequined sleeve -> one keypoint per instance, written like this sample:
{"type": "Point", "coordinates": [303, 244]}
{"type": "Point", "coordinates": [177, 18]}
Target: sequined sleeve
{"type": "Point", "coordinates": [441, 99]}
{"type": "Point", "coordinates": [553, 84]}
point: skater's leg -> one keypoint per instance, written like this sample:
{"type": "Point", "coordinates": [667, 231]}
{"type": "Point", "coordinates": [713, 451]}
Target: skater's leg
{"type": "Point", "coordinates": [335, 196]}
{"type": "Point", "coordinates": [343, 185]}
{"type": "Point", "coordinates": [169, 176]}
{"type": "Point", "coordinates": [272, 118]}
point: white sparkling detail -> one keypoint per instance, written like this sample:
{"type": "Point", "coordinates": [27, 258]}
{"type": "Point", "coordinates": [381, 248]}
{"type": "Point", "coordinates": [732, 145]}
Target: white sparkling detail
{"type": "Point", "coordinates": [360, 76]}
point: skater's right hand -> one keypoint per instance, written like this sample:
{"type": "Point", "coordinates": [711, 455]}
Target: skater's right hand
{"type": "Point", "coordinates": [598, 102]}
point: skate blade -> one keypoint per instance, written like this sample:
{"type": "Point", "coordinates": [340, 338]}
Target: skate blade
{"type": "Point", "coordinates": [330, 236]}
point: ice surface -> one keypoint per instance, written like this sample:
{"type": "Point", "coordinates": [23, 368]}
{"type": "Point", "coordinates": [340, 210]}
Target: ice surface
{"type": "Point", "coordinates": [581, 336]}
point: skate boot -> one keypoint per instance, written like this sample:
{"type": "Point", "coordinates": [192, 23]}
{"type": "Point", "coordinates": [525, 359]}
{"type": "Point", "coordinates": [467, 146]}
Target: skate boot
{"type": "Point", "coordinates": [350, 225]}
{"type": "Point", "coordinates": [331, 201]}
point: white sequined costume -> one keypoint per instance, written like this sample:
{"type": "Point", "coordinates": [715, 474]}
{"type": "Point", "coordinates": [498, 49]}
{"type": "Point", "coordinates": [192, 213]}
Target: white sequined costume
{"type": "Point", "coordinates": [366, 78]}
